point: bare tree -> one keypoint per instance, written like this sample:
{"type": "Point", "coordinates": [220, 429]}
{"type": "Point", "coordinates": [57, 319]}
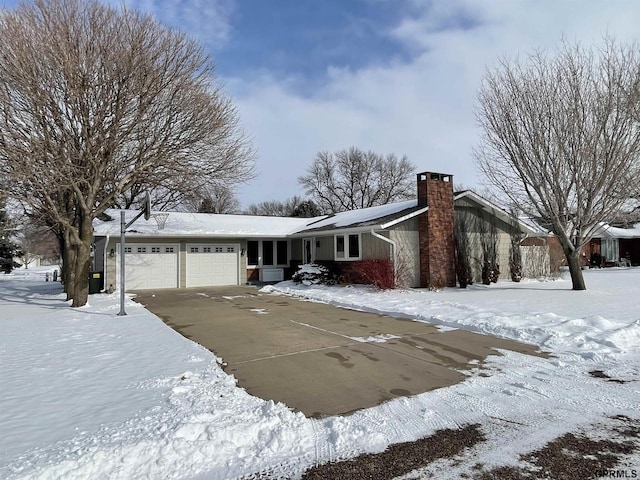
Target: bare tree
{"type": "Point", "coordinates": [37, 240]}
{"type": "Point", "coordinates": [488, 236]}
{"type": "Point", "coordinates": [295, 206]}
{"type": "Point", "coordinates": [561, 138]}
{"type": "Point", "coordinates": [96, 101]}
{"type": "Point", "coordinates": [219, 199]}
{"type": "Point", "coordinates": [352, 178]}
{"type": "Point", "coordinates": [515, 250]}
{"type": "Point", "coordinates": [463, 247]}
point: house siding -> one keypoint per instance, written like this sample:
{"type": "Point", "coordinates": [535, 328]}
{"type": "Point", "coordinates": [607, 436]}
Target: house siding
{"type": "Point", "coordinates": [296, 250]}
{"type": "Point", "coordinates": [407, 240]}
{"type": "Point", "coordinates": [98, 254]}
{"type": "Point", "coordinates": [477, 224]}
{"type": "Point", "coordinates": [324, 248]}
{"type": "Point", "coordinates": [374, 248]}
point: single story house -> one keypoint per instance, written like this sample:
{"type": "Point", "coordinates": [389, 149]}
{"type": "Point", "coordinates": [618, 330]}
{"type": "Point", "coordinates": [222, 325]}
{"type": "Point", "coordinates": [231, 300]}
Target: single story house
{"type": "Point", "coordinates": [184, 250]}
{"type": "Point", "coordinates": [614, 246]}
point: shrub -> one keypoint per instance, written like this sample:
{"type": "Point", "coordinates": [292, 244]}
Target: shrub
{"type": "Point", "coordinates": [313, 274]}
{"type": "Point", "coordinates": [378, 273]}
{"type": "Point", "coordinates": [490, 273]}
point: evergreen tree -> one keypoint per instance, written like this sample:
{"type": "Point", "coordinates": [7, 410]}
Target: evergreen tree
{"type": "Point", "coordinates": [207, 206]}
{"type": "Point", "coordinates": [8, 248]}
{"type": "Point", "coordinates": [307, 208]}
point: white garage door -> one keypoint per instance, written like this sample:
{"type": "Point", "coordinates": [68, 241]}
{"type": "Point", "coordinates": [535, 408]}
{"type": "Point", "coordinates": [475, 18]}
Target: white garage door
{"type": "Point", "coordinates": [212, 264]}
{"type": "Point", "coordinates": [149, 266]}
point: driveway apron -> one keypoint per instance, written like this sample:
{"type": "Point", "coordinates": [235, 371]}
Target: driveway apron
{"type": "Point", "coordinates": [317, 358]}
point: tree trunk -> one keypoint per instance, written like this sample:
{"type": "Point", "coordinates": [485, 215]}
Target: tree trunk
{"type": "Point", "coordinates": [575, 269]}
{"type": "Point", "coordinates": [68, 263]}
{"type": "Point", "coordinates": [83, 262]}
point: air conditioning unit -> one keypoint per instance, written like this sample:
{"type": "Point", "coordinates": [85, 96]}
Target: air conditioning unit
{"type": "Point", "coordinates": [271, 274]}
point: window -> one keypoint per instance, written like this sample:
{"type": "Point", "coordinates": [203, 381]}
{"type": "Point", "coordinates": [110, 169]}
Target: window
{"type": "Point", "coordinates": [252, 252]}
{"type": "Point", "coordinates": [347, 247]}
{"type": "Point", "coordinates": [339, 247]}
{"type": "Point", "coordinates": [127, 250]}
{"type": "Point", "coordinates": [155, 249]}
{"type": "Point", "coordinates": [142, 249]}
{"type": "Point", "coordinates": [281, 252]}
{"type": "Point", "coordinates": [354, 246]}
{"type": "Point", "coordinates": [206, 249]}
{"type": "Point", "coordinates": [168, 249]}
{"type": "Point", "coordinates": [231, 249]}
{"type": "Point", "coordinates": [267, 252]}
{"type": "Point", "coordinates": [218, 249]}
{"type": "Point", "coordinates": [193, 249]}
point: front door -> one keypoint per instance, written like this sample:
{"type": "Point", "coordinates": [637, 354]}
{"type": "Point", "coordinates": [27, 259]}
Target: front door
{"type": "Point", "coordinates": [308, 250]}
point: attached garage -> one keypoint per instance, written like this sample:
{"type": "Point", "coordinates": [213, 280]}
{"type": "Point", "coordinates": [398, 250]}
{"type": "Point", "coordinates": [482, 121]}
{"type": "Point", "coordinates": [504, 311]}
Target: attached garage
{"type": "Point", "coordinates": [149, 266]}
{"type": "Point", "coordinates": [192, 250]}
{"type": "Point", "coordinates": [212, 264]}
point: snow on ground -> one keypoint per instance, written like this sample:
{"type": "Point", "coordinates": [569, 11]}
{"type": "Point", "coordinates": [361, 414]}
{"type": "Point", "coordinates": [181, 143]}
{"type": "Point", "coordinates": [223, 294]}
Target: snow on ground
{"type": "Point", "coordinates": [89, 394]}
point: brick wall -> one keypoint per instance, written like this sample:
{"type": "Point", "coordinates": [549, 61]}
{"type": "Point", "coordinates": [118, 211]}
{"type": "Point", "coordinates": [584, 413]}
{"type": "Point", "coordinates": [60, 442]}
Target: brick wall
{"type": "Point", "coordinates": [435, 230]}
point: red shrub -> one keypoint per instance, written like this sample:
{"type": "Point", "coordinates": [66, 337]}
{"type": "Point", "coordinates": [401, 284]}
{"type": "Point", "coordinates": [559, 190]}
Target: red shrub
{"type": "Point", "coordinates": [378, 273]}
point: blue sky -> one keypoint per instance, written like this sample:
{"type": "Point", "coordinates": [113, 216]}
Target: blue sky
{"type": "Point", "coordinates": [393, 76]}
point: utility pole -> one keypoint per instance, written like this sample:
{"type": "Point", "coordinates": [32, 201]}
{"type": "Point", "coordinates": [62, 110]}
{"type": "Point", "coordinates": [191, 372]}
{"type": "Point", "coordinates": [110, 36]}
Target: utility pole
{"type": "Point", "coordinates": [146, 211]}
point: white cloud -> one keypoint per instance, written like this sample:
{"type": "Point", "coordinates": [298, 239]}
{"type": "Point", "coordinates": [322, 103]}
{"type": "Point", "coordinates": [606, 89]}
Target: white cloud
{"type": "Point", "coordinates": [206, 20]}
{"type": "Point", "coordinates": [423, 107]}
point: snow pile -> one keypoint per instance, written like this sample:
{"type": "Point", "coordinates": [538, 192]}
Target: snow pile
{"type": "Point", "coordinates": [312, 274]}
{"type": "Point", "coordinates": [383, 338]}
{"type": "Point", "coordinates": [89, 394]}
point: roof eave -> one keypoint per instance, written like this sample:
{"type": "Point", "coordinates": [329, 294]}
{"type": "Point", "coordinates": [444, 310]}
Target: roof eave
{"type": "Point", "coordinates": [404, 218]}
{"type": "Point", "coordinates": [336, 231]}
{"type": "Point", "coordinates": [497, 211]}
{"type": "Point", "coordinates": [193, 235]}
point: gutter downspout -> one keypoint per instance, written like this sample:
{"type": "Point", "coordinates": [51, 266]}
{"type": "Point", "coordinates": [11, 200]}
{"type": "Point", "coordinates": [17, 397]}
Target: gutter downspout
{"type": "Point", "coordinates": [394, 250]}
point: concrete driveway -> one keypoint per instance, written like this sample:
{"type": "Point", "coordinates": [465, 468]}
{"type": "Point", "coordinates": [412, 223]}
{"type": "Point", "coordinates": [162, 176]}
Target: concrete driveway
{"type": "Point", "coordinates": [317, 358]}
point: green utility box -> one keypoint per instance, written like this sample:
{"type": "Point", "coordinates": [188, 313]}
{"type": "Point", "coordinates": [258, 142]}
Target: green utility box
{"type": "Point", "coordinates": [96, 282]}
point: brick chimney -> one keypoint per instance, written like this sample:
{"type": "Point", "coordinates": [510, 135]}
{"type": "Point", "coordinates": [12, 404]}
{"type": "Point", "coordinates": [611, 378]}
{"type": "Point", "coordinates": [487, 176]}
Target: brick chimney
{"type": "Point", "coordinates": [435, 230]}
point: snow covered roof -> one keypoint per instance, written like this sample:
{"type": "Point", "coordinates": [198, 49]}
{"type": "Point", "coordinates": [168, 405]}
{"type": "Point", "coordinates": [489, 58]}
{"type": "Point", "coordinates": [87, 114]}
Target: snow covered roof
{"type": "Point", "coordinates": [202, 224]}
{"type": "Point", "coordinates": [536, 228]}
{"type": "Point", "coordinates": [607, 231]}
{"type": "Point", "coordinates": [247, 226]}
{"type": "Point", "coordinates": [380, 217]}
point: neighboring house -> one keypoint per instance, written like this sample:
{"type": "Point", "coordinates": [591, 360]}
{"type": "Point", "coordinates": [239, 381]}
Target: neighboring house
{"type": "Point", "coordinates": [614, 246]}
{"type": "Point", "coordinates": [609, 246]}
{"type": "Point", "coordinates": [198, 249]}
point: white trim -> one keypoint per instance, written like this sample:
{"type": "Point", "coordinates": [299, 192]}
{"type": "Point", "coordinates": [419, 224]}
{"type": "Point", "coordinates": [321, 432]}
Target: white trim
{"type": "Point", "coordinates": [394, 251]}
{"type": "Point", "coordinates": [408, 216]}
{"type": "Point", "coordinates": [275, 241]}
{"type": "Point", "coordinates": [347, 257]}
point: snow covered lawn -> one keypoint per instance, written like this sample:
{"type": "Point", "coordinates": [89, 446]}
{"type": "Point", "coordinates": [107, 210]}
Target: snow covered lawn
{"type": "Point", "coordinates": [88, 394]}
